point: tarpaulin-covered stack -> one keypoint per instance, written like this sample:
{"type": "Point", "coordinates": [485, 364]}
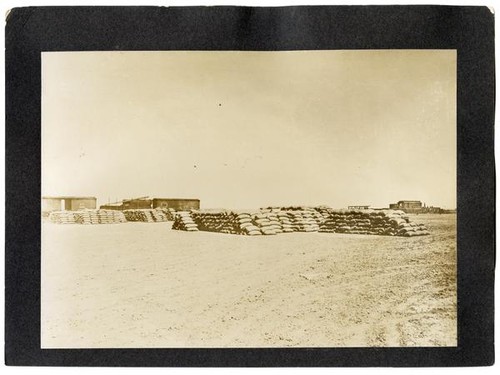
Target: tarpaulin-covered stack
{"type": "Point", "coordinates": [378, 222]}
{"type": "Point", "coordinates": [184, 221]}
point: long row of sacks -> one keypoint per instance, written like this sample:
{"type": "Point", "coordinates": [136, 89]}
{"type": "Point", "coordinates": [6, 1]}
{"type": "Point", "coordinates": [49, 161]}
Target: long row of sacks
{"type": "Point", "coordinates": [150, 215]}
{"type": "Point", "coordinates": [247, 222]}
{"type": "Point", "coordinates": [87, 217]}
{"type": "Point", "coordinates": [273, 220]}
{"type": "Point", "coordinates": [111, 216]}
{"type": "Point", "coordinates": [378, 222]}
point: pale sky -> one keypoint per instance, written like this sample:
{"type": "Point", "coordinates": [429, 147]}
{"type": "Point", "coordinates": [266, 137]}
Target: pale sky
{"type": "Point", "coordinates": [251, 129]}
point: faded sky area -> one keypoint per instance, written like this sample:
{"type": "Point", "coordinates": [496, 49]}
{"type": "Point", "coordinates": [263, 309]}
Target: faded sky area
{"type": "Point", "coordinates": [251, 129]}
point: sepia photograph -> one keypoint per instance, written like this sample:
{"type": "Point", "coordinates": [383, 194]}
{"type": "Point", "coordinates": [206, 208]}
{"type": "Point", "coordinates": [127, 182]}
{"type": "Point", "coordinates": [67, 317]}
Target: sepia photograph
{"type": "Point", "coordinates": [249, 199]}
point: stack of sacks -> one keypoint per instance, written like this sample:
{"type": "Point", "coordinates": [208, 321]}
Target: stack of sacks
{"type": "Point", "coordinates": [317, 216]}
{"type": "Point", "coordinates": [217, 221]}
{"type": "Point", "coordinates": [119, 217]}
{"type": "Point", "coordinates": [300, 218]}
{"type": "Point", "coordinates": [144, 215]}
{"type": "Point", "coordinates": [378, 222]}
{"type": "Point", "coordinates": [110, 217]}
{"type": "Point", "coordinates": [223, 221]}
{"type": "Point", "coordinates": [105, 217]}
{"type": "Point", "coordinates": [286, 221]}
{"type": "Point", "coordinates": [62, 217]}
{"type": "Point", "coordinates": [412, 229]}
{"type": "Point", "coordinates": [159, 215]}
{"type": "Point", "coordinates": [247, 225]}
{"type": "Point", "coordinates": [184, 221]}
{"type": "Point", "coordinates": [267, 222]}
{"type": "Point", "coordinates": [303, 221]}
{"type": "Point", "coordinates": [168, 212]}
{"type": "Point", "coordinates": [88, 217]}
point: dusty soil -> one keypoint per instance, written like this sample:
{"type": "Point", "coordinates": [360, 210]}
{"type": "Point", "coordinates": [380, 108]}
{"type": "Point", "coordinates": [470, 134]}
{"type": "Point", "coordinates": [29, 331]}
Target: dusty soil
{"type": "Point", "coordinates": [145, 285]}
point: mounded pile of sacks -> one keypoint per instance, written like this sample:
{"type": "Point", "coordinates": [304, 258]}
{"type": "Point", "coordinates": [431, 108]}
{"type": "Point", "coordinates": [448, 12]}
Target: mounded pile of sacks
{"type": "Point", "coordinates": [269, 221]}
{"type": "Point", "coordinates": [146, 215]}
{"type": "Point", "coordinates": [100, 217]}
{"type": "Point", "coordinates": [378, 222]}
{"type": "Point", "coordinates": [275, 220]}
{"type": "Point", "coordinates": [184, 221]}
{"type": "Point", "coordinates": [168, 212]}
{"type": "Point", "coordinates": [62, 217]}
{"type": "Point", "coordinates": [298, 218]}
{"type": "Point", "coordinates": [222, 221]}
{"type": "Point", "coordinates": [87, 217]}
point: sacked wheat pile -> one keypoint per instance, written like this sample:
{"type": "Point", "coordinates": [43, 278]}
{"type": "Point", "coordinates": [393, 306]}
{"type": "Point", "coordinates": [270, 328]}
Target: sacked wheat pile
{"type": "Point", "coordinates": [159, 215]}
{"type": "Point", "coordinates": [184, 221]}
{"type": "Point", "coordinates": [62, 217]}
{"type": "Point", "coordinates": [298, 218]}
{"type": "Point", "coordinates": [275, 220]}
{"type": "Point", "coordinates": [169, 213]}
{"type": "Point", "coordinates": [223, 221]}
{"type": "Point", "coordinates": [267, 222]}
{"type": "Point", "coordinates": [87, 217]}
{"type": "Point", "coordinates": [379, 222]}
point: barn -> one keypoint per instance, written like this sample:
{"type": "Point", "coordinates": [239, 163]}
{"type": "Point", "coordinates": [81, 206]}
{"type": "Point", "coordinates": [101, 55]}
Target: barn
{"type": "Point", "coordinates": [68, 203]}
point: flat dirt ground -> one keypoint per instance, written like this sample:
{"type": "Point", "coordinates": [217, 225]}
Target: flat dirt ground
{"type": "Point", "coordinates": [144, 285]}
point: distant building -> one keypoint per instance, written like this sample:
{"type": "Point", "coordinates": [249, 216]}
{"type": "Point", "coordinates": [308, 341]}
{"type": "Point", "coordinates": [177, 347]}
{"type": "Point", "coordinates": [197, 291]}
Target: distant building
{"type": "Point", "coordinates": [178, 204]}
{"type": "Point", "coordinates": [416, 207]}
{"type": "Point", "coordinates": [406, 205]}
{"type": "Point", "coordinates": [136, 203]}
{"type": "Point", "coordinates": [68, 203]}
{"type": "Point", "coordinates": [358, 207]}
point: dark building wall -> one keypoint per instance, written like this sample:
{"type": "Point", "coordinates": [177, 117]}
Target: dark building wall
{"type": "Point", "coordinates": [177, 204]}
{"type": "Point", "coordinates": [136, 204]}
{"type": "Point", "coordinates": [410, 204]}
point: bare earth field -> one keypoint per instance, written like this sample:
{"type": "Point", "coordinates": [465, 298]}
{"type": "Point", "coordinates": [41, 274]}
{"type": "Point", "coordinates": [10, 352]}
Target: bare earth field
{"type": "Point", "coordinates": [144, 285]}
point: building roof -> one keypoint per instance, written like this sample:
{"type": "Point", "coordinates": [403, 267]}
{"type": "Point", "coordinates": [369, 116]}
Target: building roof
{"type": "Point", "coordinates": [409, 202]}
{"type": "Point", "coordinates": [68, 197]}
